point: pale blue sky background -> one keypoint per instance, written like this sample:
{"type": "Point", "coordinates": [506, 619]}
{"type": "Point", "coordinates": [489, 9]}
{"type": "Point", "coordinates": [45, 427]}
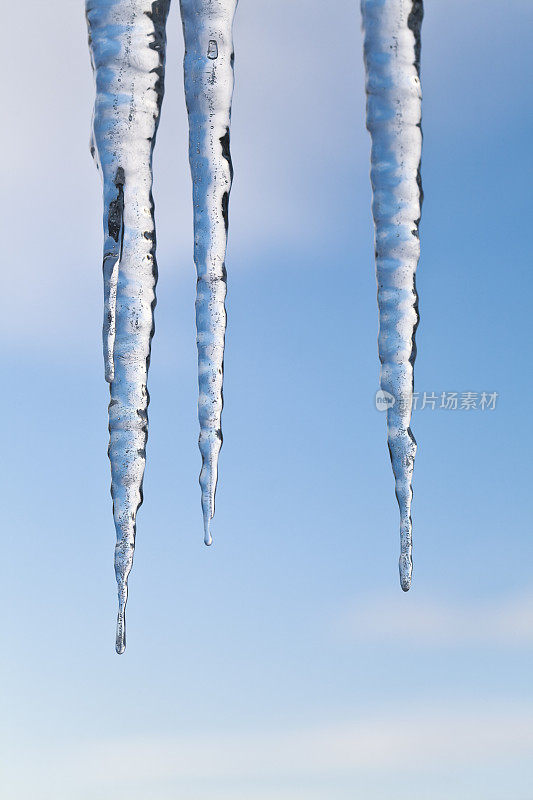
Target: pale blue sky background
{"type": "Point", "coordinates": [284, 663]}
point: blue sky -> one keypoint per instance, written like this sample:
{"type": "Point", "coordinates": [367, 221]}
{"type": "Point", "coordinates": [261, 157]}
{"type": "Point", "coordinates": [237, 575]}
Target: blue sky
{"type": "Point", "coordinates": [285, 662]}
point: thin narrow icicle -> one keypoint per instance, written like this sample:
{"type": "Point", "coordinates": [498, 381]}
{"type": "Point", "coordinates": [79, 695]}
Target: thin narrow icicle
{"type": "Point", "coordinates": [392, 60]}
{"type": "Point", "coordinates": [127, 43]}
{"type": "Point", "coordinates": [208, 66]}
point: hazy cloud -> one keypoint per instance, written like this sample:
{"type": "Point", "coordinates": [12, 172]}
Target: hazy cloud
{"type": "Point", "coordinates": [401, 741]}
{"type": "Point", "coordinates": [416, 620]}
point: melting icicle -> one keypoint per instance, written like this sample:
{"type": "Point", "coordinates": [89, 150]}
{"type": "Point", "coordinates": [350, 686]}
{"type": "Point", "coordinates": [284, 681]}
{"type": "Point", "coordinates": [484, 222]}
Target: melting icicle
{"type": "Point", "coordinates": [127, 43]}
{"type": "Point", "coordinates": [392, 60]}
{"type": "Point", "coordinates": [208, 66]}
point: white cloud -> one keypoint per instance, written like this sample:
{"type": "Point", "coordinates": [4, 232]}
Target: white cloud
{"type": "Point", "coordinates": [402, 742]}
{"type": "Point", "coordinates": [415, 620]}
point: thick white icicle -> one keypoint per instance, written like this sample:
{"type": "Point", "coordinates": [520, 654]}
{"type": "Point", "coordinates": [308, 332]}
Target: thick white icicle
{"type": "Point", "coordinates": [208, 67]}
{"type": "Point", "coordinates": [392, 60]}
{"type": "Point", "coordinates": [127, 43]}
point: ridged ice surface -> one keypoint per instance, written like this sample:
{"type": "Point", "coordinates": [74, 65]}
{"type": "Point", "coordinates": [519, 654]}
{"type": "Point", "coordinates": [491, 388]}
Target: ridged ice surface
{"type": "Point", "coordinates": [392, 60]}
{"type": "Point", "coordinates": [127, 43]}
{"type": "Point", "coordinates": [208, 68]}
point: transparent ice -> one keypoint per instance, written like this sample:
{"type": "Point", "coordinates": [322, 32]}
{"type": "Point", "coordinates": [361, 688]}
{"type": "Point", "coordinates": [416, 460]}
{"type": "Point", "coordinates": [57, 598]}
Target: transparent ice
{"type": "Point", "coordinates": [208, 68]}
{"type": "Point", "coordinates": [392, 61]}
{"type": "Point", "coordinates": [127, 44]}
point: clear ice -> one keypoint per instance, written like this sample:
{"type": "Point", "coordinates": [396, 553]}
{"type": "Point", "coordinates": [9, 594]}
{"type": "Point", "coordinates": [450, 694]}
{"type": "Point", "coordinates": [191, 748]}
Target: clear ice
{"type": "Point", "coordinates": [127, 44]}
{"type": "Point", "coordinates": [392, 61]}
{"type": "Point", "coordinates": [208, 72]}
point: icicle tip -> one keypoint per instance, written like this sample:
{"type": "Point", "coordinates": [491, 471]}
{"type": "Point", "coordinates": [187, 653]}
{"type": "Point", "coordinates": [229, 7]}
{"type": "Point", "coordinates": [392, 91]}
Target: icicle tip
{"type": "Point", "coordinates": [120, 642]}
{"type": "Point", "coordinates": [208, 539]}
{"type": "Point", "coordinates": [406, 571]}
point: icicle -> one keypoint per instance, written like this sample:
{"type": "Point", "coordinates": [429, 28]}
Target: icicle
{"type": "Point", "coordinates": [127, 43]}
{"type": "Point", "coordinates": [208, 66]}
{"type": "Point", "coordinates": [392, 59]}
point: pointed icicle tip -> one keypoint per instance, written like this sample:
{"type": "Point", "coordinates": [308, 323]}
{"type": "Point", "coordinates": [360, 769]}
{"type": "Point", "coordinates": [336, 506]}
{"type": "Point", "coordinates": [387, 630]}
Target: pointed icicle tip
{"type": "Point", "coordinates": [120, 643]}
{"type": "Point", "coordinates": [208, 539]}
{"type": "Point", "coordinates": [406, 571]}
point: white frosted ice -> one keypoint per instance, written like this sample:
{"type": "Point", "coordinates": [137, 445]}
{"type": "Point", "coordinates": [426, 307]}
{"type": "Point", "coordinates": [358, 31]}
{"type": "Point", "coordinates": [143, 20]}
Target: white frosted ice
{"type": "Point", "coordinates": [208, 69]}
{"type": "Point", "coordinates": [127, 44]}
{"type": "Point", "coordinates": [392, 61]}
